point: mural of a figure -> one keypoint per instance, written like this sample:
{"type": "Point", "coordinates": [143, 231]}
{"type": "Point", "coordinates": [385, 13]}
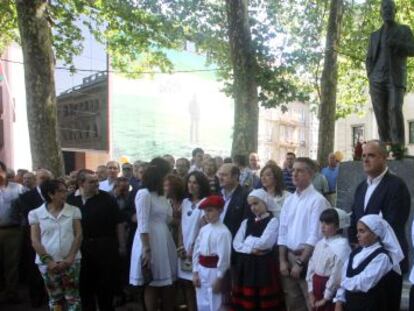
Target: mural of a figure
{"type": "Point", "coordinates": [194, 110]}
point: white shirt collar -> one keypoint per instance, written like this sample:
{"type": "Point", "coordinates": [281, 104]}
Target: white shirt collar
{"type": "Point", "coordinates": [44, 212]}
{"type": "Point", "coordinates": [304, 191]}
{"type": "Point", "coordinates": [40, 193]}
{"type": "Point", "coordinates": [228, 195]}
{"type": "Point", "coordinates": [376, 180]}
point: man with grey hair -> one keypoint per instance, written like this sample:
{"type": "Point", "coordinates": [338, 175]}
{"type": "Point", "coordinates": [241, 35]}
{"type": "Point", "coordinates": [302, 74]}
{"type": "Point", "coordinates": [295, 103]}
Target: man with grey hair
{"type": "Point", "coordinates": [28, 181]}
{"type": "Point", "coordinates": [299, 231]}
{"type": "Point", "coordinates": [112, 171]}
{"type": "Point", "coordinates": [386, 65]}
{"type": "Point", "coordinates": [28, 201]}
{"type": "Point", "coordinates": [10, 237]}
{"type": "Point", "coordinates": [386, 194]}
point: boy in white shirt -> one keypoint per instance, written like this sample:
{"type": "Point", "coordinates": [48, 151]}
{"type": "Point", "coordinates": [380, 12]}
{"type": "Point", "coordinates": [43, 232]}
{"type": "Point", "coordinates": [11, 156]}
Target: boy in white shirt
{"type": "Point", "coordinates": [211, 256]}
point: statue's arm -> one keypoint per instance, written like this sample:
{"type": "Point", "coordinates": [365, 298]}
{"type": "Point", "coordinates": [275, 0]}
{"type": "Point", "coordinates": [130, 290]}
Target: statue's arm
{"type": "Point", "coordinates": [406, 43]}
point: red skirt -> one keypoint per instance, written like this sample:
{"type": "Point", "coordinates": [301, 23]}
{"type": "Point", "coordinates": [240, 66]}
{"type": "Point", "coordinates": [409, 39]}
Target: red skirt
{"type": "Point", "coordinates": [319, 285]}
{"type": "Point", "coordinates": [259, 298]}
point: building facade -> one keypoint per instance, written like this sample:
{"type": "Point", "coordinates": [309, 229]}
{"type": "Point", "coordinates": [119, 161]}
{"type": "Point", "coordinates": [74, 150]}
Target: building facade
{"type": "Point", "coordinates": [14, 134]}
{"type": "Point", "coordinates": [363, 127]}
{"type": "Point", "coordinates": [292, 131]}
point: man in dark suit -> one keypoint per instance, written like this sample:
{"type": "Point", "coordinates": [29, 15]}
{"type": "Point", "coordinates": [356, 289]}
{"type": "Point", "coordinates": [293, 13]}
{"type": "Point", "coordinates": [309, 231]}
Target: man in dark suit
{"type": "Point", "coordinates": [234, 212]}
{"type": "Point", "coordinates": [386, 194]}
{"type": "Point", "coordinates": [235, 197]}
{"type": "Point", "coordinates": [28, 201]}
{"type": "Point", "coordinates": [386, 66]}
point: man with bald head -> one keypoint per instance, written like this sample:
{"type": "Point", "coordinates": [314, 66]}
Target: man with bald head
{"type": "Point", "coordinates": [28, 181]}
{"type": "Point", "coordinates": [112, 172]}
{"type": "Point", "coordinates": [235, 197]}
{"type": "Point", "coordinates": [385, 194]}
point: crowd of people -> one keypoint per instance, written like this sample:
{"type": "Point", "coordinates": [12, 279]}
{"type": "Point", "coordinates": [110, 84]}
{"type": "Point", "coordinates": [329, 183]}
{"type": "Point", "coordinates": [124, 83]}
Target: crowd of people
{"type": "Point", "coordinates": [206, 234]}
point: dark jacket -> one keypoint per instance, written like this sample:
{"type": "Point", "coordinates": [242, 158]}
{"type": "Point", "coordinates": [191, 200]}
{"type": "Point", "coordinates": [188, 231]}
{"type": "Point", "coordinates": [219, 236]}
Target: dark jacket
{"type": "Point", "coordinates": [393, 200]}
{"type": "Point", "coordinates": [398, 55]}
{"type": "Point", "coordinates": [237, 210]}
{"type": "Point", "coordinates": [28, 201]}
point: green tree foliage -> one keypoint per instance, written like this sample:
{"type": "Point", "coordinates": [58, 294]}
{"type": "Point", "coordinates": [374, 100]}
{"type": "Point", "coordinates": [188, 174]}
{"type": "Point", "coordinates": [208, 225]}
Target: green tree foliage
{"type": "Point", "coordinates": [304, 22]}
{"type": "Point", "coordinates": [205, 23]}
{"type": "Point", "coordinates": [8, 24]}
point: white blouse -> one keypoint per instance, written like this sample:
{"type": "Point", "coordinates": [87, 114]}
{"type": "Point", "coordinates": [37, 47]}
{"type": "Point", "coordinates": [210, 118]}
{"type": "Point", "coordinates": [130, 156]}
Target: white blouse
{"type": "Point", "coordinates": [266, 241]}
{"type": "Point", "coordinates": [276, 203]}
{"type": "Point", "coordinates": [191, 217]}
{"type": "Point", "coordinates": [325, 261]}
{"type": "Point", "coordinates": [56, 233]}
{"type": "Point", "coordinates": [213, 239]}
{"type": "Point", "coordinates": [369, 277]}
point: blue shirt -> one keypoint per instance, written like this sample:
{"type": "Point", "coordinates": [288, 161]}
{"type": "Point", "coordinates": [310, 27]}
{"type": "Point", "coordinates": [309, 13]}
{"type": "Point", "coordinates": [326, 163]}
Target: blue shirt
{"type": "Point", "coordinates": [287, 179]}
{"type": "Point", "coordinates": [331, 174]}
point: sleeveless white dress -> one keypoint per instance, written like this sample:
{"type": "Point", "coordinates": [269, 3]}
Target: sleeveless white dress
{"type": "Point", "coordinates": [154, 212]}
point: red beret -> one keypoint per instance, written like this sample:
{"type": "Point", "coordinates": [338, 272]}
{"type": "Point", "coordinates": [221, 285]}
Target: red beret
{"type": "Point", "coordinates": [212, 201]}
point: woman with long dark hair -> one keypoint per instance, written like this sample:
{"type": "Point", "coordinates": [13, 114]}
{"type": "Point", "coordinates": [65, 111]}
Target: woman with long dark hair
{"type": "Point", "coordinates": [197, 188]}
{"type": "Point", "coordinates": [154, 257]}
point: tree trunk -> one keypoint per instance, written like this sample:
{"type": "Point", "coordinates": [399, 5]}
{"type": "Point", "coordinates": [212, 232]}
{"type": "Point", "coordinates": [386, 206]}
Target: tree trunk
{"type": "Point", "coordinates": [36, 40]}
{"type": "Point", "coordinates": [329, 81]}
{"type": "Point", "coordinates": [246, 110]}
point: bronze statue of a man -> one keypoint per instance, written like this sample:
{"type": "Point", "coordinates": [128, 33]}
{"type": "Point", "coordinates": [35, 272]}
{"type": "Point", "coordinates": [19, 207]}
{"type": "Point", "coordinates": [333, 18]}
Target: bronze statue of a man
{"type": "Point", "coordinates": [386, 66]}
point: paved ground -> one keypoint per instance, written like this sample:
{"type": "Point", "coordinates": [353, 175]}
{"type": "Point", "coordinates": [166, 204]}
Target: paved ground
{"type": "Point", "coordinates": [25, 306]}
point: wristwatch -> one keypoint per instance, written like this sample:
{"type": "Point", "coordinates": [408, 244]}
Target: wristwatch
{"type": "Point", "coordinates": [300, 263]}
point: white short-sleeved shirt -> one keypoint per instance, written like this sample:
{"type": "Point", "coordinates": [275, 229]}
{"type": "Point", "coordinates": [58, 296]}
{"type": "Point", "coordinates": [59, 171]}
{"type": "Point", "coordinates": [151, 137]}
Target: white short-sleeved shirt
{"type": "Point", "coordinates": [56, 234]}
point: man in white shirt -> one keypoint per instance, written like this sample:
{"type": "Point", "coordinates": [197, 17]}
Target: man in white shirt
{"type": "Point", "coordinates": [112, 171]}
{"type": "Point", "coordinates": [386, 194]}
{"type": "Point", "coordinates": [299, 231]}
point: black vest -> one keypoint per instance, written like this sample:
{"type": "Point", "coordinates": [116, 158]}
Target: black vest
{"type": "Point", "coordinates": [256, 270]}
{"type": "Point", "coordinates": [376, 298]}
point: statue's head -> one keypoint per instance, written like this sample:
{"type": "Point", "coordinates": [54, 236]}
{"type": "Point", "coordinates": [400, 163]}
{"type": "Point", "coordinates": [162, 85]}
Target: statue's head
{"type": "Point", "coordinates": [388, 10]}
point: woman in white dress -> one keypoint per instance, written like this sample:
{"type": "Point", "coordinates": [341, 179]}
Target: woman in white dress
{"type": "Point", "coordinates": [197, 188]}
{"type": "Point", "coordinates": [271, 177]}
{"type": "Point", "coordinates": [154, 257]}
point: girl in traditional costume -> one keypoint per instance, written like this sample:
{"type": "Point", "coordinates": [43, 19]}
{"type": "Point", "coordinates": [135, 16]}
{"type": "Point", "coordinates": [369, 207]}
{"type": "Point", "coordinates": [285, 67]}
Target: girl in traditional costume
{"type": "Point", "coordinates": [326, 264]}
{"type": "Point", "coordinates": [364, 277]}
{"type": "Point", "coordinates": [257, 283]}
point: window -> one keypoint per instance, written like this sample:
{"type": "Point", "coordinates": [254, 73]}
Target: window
{"type": "Point", "coordinates": [411, 132]}
{"type": "Point", "coordinates": [358, 134]}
